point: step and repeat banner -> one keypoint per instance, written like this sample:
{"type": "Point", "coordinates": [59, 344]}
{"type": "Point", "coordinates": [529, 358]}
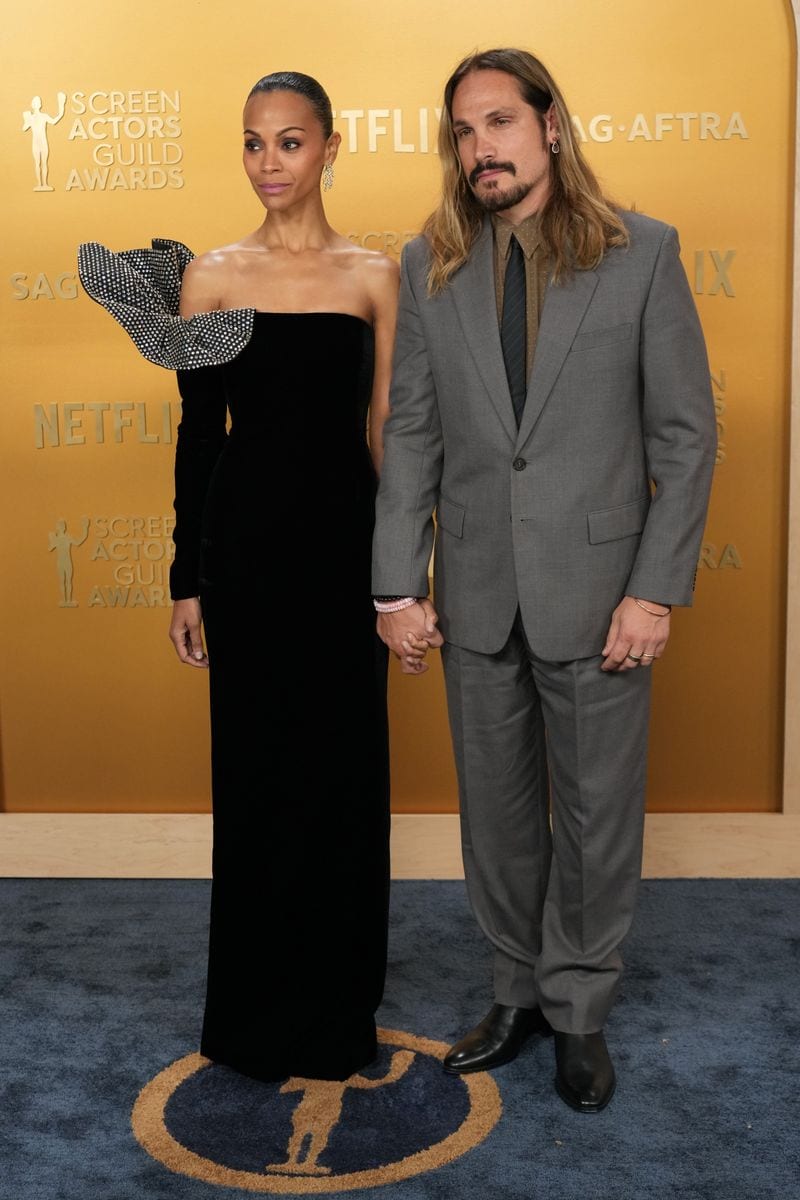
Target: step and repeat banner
{"type": "Point", "coordinates": [120, 124]}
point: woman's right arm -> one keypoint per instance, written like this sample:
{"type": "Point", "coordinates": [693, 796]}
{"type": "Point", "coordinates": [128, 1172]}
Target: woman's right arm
{"type": "Point", "coordinates": [201, 436]}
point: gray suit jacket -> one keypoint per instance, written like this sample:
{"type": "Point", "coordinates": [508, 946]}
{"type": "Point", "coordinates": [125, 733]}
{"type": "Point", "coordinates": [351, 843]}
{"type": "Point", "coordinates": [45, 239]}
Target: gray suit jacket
{"type": "Point", "coordinates": [603, 489]}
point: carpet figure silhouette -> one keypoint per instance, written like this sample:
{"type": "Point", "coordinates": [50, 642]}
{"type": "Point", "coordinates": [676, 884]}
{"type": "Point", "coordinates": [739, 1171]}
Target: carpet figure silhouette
{"type": "Point", "coordinates": [319, 1111]}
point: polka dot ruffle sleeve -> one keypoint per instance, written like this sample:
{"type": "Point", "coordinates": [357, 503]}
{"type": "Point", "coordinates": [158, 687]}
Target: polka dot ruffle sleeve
{"type": "Point", "coordinates": [141, 289]}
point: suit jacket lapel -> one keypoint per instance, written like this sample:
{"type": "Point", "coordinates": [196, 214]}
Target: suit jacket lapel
{"type": "Point", "coordinates": [473, 293]}
{"type": "Point", "coordinates": [564, 307]}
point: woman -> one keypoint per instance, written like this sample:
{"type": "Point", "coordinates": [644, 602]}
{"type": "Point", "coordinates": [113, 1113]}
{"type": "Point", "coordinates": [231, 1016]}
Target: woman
{"type": "Point", "coordinates": [273, 535]}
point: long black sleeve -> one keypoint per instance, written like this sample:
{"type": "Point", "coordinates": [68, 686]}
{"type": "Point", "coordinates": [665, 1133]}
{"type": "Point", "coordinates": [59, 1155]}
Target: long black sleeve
{"type": "Point", "coordinates": [201, 436]}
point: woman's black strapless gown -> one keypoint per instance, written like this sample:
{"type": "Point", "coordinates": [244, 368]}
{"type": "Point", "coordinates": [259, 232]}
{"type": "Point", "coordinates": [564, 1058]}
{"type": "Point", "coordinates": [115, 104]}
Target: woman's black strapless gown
{"type": "Point", "coordinates": [273, 527]}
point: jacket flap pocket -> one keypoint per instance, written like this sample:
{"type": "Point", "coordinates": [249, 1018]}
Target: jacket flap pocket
{"type": "Point", "coordinates": [602, 337]}
{"type": "Point", "coordinates": [608, 524]}
{"type": "Point", "coordinates": [450, 516]}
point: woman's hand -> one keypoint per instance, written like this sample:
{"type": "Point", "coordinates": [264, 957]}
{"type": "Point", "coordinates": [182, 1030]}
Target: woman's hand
{"type": "Point", "coordinates": [184, 632]}
{"type": "Point", "coordinates": [410, 634]}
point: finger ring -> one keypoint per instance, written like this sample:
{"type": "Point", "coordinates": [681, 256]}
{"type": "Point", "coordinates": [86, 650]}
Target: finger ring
{"type": "Point", "coordinates": [636, 657]}
{"type": "Point", "coordinates": [648, 656]}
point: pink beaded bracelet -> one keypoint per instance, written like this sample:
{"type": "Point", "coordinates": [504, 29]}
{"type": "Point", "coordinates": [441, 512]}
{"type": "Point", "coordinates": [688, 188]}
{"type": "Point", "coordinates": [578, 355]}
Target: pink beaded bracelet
{"type": "Point", "coordinates": [392, 606]}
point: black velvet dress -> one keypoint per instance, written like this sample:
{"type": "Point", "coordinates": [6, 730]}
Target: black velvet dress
{"type": "Point", "coordinates": [274, 525]}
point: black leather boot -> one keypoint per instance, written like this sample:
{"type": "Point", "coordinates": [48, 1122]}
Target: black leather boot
{"type": "Point", "coordinates": [496, 1040]}
{"type": "Point", "coordinates": [585, 1077]}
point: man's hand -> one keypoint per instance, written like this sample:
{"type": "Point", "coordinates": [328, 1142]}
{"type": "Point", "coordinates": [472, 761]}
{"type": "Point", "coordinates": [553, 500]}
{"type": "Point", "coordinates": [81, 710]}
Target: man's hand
{"type": "Point", "coordinates": [184, 633]}
{"type": "Point", "coordinates": [410, 634]}
{"type": "Point", "coordinates": [635, 638]}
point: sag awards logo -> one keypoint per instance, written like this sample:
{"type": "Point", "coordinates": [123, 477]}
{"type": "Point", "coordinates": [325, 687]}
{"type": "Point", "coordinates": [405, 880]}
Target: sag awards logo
{"type": "Point", "coordinates": [402, 1118]}
{"type": "Point", "coordinates": [126, 559]}
{"type": "Point", "coordinates": [107, 141]}
{"type": "Point", "coordinates": [662, 127]}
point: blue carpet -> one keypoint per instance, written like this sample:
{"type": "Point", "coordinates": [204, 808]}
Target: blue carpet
{"type": "Point", "coordinates": [101, 986]}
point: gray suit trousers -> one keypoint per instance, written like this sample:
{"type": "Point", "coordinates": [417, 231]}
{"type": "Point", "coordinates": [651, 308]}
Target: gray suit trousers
{"type": "Point", "coordinates": [537, 742]}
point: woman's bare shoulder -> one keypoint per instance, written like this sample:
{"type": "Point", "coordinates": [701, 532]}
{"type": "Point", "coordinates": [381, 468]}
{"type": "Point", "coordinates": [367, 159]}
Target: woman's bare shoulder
{"type": "Point", "coordinates": [219, 260]}
{"type": "Point", "coordinates": [380, 273]}
{"type": "Point", "coordinates": [374, 261]}
{"type": "Point", "coordinates": [206, 276]}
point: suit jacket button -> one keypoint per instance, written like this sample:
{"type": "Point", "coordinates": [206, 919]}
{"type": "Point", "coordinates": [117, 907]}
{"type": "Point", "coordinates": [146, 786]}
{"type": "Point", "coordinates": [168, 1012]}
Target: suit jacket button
{"type": "Point", "coordinates": [519, 464]}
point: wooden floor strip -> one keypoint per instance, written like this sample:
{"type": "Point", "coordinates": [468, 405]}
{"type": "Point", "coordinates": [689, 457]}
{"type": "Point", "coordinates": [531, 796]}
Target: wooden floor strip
{"type": "Point", "coordinates": [425, 846]}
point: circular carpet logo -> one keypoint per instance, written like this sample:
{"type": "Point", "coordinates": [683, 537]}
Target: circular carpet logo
{"type": "Point", "coordinates": [401, 1117]}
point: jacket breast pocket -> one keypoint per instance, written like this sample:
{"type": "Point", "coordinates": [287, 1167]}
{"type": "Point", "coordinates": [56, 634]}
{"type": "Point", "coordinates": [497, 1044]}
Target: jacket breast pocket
{"type": "Point", "coordinates": [609, 524]}
{"type": "Point", "coordinates": [450, 517]}
{"type": "Point", "coordinates": [593, 338]}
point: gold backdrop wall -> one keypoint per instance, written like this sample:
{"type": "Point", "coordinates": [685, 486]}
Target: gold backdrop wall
{"type": "Point", "coordinates": [686, 112]}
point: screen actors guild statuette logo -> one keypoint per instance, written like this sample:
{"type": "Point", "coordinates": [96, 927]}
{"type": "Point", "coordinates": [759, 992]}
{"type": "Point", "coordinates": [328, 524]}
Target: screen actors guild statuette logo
{"type": "Point", "coordinates": [38, 121]}
{"type": "Point", "coordinates": [62, 542]}
{"type": "Point", "coordinates": [399, 1118]}
{"type": "Point", "coordinates": [112, 140]}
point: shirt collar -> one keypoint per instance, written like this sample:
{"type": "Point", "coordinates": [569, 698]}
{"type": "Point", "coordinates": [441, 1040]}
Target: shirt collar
{"type": "Point", "coordinates": [527, 233]}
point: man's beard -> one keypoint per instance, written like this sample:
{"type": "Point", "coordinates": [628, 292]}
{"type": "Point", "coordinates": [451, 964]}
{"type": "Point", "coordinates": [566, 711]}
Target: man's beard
{"type": "Point", "coordinates": [493, 199]}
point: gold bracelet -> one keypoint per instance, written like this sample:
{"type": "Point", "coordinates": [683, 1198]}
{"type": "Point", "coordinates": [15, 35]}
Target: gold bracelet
{"type": "Point", "coordinates": [644, 608]}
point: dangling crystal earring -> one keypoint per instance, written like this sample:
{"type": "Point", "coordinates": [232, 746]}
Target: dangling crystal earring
{"type": "Point", "coordinates": [327, 177]}
{"type": "Point", "coordinates": [555, 147]}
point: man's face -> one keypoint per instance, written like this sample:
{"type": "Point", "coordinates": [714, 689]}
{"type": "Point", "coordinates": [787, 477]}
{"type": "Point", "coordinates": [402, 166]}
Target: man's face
{"type": "Point", "coordinates": [504, 151]}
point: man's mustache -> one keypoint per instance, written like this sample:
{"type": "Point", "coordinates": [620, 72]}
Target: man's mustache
{"type": "Point", "coordinates": [490, 165]}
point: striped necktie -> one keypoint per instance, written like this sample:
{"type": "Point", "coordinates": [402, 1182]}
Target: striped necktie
{"type": "Point", "coordinates": [513, 328]}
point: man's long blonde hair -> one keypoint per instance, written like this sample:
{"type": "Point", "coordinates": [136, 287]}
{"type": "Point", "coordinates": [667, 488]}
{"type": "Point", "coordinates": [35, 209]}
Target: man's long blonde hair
{"type": "Point", "coordinates": [578, 223]}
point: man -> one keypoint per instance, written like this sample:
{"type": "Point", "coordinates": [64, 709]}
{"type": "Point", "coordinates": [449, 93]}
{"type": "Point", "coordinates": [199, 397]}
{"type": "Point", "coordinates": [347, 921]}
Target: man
{"type": "Point", "coordinates": [551, 400]}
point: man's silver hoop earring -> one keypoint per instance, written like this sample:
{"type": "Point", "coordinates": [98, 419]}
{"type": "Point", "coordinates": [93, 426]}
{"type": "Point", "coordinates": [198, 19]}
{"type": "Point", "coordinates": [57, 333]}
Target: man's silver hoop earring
{"type": "Point", "coordinates": [555, 147]}
{"type": "Point", "coordinates": [327, 177]}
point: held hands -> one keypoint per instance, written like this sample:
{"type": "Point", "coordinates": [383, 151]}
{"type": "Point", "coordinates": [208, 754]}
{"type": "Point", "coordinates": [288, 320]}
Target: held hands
{"type": "Point", "coordinates": [636, 638]}
{"type": "Point", "coordinates": [410, 634]}
{"type": "Point", "coordinates": [184, 633]}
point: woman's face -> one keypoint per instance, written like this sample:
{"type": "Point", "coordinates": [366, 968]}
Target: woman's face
{"type": "Point", "coordinates": [284, 148]}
